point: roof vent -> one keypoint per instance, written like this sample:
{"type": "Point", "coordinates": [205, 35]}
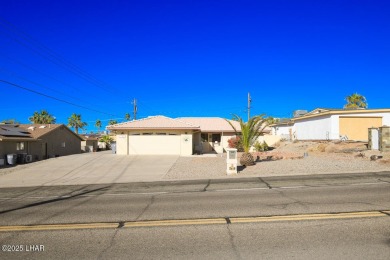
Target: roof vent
{"type": "Point", "coordinates": [32, 128]}
{"type": "Point", "coordinates": [42, 126]}
{"type": "Point", "coordinates": [298, 113]}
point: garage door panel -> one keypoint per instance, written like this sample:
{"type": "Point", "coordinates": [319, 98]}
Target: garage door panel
{"type": "Point", "coordinates": [154, 144]}
{"type": "Point", "coordinates": [356, 128]}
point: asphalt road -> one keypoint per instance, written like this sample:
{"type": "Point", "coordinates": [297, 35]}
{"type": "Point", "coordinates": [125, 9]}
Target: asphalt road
{"type": "Point", "coordinates": [256, 218]}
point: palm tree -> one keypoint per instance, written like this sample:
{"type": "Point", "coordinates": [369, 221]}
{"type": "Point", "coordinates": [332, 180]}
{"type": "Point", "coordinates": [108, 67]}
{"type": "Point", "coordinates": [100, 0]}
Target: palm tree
{"type": "Point", "coordinates": [355, 101]}
{"type": "Point", "coordinates": [10, 121]}
{"type": "Point", "coordinates": [98, 124]}
{"type": "Point", "coordinates": [75, 122]}
{"type": "Point", "coordinates": [271, 120]}
{"type": "Point", "coordinates": [42, 117]}
{"type": "Point", "coordinates": [127, 117]}
{"type": "Point", "coordinates": [106, 139]}
{"type": "Point", "coordinates": [112, 122]}
{"type": "Point", "coordinates": [250, 131]}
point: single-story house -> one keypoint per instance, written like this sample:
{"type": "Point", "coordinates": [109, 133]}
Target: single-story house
{"type": "Point", "coordinates": [335, 124]}
{"type": "Point", "coordinates": [14, 140]}
{"type": "Point", "coordinates": [283, 129]}
{"type": "Point", "coordinates": [179, 136]}
{"type": "Point", "coordinates": [90, 142]}
{"type": "Point", "coordinates": [167, 136]}
{"type": "Point", "coordinates": [39, 140]}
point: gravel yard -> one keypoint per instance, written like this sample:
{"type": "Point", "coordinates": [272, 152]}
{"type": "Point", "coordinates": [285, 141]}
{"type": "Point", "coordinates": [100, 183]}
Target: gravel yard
{"type": "Point", "coordinates": [340, 158]}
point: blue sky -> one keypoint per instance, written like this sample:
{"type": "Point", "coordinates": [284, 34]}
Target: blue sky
{"type": "Point", "coordinates": [190, 58]}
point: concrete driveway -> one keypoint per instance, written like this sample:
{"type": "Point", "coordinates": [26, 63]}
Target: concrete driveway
{"type": "Point", "coordinates": [88, 168]}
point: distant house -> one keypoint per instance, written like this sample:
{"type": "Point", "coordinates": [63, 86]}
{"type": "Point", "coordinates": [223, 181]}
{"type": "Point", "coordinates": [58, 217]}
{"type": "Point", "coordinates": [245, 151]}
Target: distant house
{"type": "Point", "coordinates": [168, 136]}
{"type": "Point", "coordinates": [334, 124]}
{"type": "Point", "coordinates": [39, 140]}
{"type": "Point", "coordinates": [89, 143]}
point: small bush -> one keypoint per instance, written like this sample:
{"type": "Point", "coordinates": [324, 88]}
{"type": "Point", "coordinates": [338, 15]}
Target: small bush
{"type": "Point", "coordinates": [261, 147]}
{"type": "Point", "coordinates": [235, 142]}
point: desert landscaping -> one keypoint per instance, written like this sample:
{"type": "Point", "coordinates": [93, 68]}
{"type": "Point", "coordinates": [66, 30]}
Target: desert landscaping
{"type": "Point", "coordinates": [289, 158]}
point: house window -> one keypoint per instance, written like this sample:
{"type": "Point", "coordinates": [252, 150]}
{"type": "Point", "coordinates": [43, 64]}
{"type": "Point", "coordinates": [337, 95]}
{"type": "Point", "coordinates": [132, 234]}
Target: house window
{"type": "Point", "coordinates": [172, 134]}
{"type": "Point", "coordinates": [63, 144]}
{"type": "Point", "coordinates": [147, 133]}
{"type": "Point", "coordinates": [204, 137]}
{"type": "Point", "coordinates": [216, 138]}
{"type": "Point", "coordinates": [20, 146]}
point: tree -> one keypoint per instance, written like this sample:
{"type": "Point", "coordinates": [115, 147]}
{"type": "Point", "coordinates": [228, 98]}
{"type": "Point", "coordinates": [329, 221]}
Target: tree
{"type": "Point", "coordinates": [106, 139]}
{"type": "Point", "coordinates": [10, 121]}
{"type": "Point", "coordinates": [112, 122]}
{"type": "Point", "coordinates": [127, 117]}
{"type": "Point", "coordinates": [98, 124]}
{"type": "Point", "coordinates": [42, 117]}
{"type": "Point", "coordinates": [355, 101]}
{"type": "Point", "coordinates": [271, 120]}
{"type": "Point", "coordinates": [250, 131]}
{"type": "Point", "coordinates": [75, 122]}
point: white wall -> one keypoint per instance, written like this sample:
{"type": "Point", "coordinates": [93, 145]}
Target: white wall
{"type": "Point", "coordinates": [186, 144]}
{"type": "Point", "coordinates": [327, 127]}
{"type": "Point", "coordinates": [318, 128]}
{"type": "Point", "coordinates": [121, 144]}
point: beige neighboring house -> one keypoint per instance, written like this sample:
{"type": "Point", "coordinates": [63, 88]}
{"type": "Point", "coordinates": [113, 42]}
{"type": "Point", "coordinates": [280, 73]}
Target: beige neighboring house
{"type": "Point", "coordinates": [168, 136]}
{"type": "Point", "coordinates": [41, 141]}
{"type": "Point", "coordinates": [14, 140]}
{"type": "Point", "coordinates": [90, 142]}
{"type": "Point", "coordinates": [54, 139]}
{"type": "Point", "coordinates": [334, 124]}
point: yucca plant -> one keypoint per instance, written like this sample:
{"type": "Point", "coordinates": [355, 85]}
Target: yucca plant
{"type": "Point", "coordinates": [250, 131]}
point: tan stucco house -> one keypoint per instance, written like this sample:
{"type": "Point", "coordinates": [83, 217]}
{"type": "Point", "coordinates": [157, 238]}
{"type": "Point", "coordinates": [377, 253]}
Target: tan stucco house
{"type": "Point", "coordinates": [168, 136]}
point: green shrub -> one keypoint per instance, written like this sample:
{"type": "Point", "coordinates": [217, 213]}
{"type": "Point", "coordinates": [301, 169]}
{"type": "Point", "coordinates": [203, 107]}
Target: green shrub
{"type": "Point", "coordinates": [261, 147]}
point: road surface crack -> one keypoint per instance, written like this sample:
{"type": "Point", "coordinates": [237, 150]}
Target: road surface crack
{"type": "Point", "coordinates": [208, 184]}
{"type": "Point", "coordinates": [146, 208]}
{"type": "Point", "coordinates": [112, 242]}
{"type": "Point", "coordinates": [266, 183]}
{"type": "Point", "coordinates": [234, 247]}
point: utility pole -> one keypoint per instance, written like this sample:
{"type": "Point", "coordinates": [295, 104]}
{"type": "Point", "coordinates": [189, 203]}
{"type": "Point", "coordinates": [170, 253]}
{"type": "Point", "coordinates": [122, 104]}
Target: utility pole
{"type": "Point", "coordinates": [249, 105]}
{"type": "Point", "coordinates": [135, 109]}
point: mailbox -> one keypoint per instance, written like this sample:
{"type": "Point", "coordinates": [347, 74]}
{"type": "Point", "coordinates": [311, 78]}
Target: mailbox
{"type": "Point", "coordinates": [231, 161]}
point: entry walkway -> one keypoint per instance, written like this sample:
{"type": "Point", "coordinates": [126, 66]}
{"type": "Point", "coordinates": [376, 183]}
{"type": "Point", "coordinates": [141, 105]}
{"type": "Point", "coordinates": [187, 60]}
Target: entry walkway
{"type": "Point", "coordinates": [88, 168]}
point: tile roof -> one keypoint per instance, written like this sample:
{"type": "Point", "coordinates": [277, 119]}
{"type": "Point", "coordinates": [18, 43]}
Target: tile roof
{"type": "Point", "coordinates": [153, 122]}
{"type": "Point", "coordinates": [205, 124]}
{"type": "Point", "coordinates": [212, 124]}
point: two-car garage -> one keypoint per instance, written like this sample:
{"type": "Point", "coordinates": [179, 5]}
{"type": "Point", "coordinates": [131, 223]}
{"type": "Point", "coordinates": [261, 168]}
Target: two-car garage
{"type": "Point", "coordinates": [154, 144]}
{"type": "Point", "coordinates": [157, 135]}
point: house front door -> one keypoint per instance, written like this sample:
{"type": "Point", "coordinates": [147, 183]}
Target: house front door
{"type": "Point", "coordinates": [44, 151]}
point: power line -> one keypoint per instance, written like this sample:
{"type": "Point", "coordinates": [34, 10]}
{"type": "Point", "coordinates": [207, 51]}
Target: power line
{"type": "Point", "coordinates": [35, 83]}
{"type": "Point", "coordinates": [50, 55]}
{"type": "Point", "coordinates": [54, 98]}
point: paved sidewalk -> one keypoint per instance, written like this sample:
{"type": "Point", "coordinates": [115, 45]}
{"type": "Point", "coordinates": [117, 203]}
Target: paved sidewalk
{"type": "Point", "coordinates": [88, 168]}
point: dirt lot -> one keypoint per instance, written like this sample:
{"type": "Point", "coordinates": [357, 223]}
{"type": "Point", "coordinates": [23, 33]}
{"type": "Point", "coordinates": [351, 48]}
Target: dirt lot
{"type": "Point", "coordinates": [290, 158]}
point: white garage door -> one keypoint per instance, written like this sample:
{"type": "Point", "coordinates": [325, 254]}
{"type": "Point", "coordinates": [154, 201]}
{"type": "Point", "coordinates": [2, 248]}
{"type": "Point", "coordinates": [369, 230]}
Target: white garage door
{"type": "Point", "coordinates": [154, 144]}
